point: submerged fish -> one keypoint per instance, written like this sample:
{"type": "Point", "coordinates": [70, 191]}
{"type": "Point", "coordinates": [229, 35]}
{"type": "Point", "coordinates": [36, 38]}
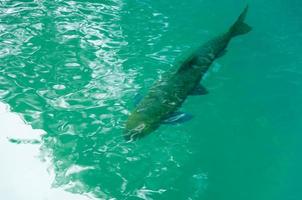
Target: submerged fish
{"type": "Point", "coordinates": [165, 97]}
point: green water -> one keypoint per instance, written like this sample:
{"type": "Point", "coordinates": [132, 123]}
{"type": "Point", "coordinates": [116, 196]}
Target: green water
{"type": "Point", "coordinates": [72, 68]}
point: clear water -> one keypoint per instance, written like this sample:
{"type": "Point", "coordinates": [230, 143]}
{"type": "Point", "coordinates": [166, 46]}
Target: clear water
{"type": "Point", "coordinates": [72, 68]}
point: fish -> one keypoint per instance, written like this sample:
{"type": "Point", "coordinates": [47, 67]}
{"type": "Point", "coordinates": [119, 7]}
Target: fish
{"type": "Point", "coordinates": [164, 98]}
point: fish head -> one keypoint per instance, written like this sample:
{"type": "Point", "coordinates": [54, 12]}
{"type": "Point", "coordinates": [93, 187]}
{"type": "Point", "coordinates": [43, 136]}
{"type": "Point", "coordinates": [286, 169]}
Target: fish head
{"type": "Point", "coordinates": [138, 126]}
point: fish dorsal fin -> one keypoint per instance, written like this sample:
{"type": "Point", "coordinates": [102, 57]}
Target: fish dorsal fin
{"type": "Point", "coordinates": [186, 60]}
{"type": "Point", "coordinates": [187, 63]}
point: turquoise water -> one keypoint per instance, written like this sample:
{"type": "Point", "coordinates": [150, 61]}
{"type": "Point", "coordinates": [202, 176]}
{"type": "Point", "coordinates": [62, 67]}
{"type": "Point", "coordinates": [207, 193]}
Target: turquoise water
{"type": "Point", "coordinates": [72, 69]}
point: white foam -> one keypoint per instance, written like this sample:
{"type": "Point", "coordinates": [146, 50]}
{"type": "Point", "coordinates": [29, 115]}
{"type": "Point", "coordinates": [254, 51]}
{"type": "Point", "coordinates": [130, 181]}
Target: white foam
{"type": "Point", "coordinates": [23, 175]}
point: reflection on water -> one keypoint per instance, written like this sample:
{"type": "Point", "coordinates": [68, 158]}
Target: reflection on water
{"type": "Point", "coordinates": [33, 179]}
{"type": "Point", "coordinates": [62, 69]}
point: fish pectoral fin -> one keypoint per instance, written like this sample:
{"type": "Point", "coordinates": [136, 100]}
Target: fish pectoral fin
{"type": "Point", "coordinates": [199, 90]}
{"type": "Point", "coordinates": [177, 118]}
{"type": "Point", "coordinates": [137, 99]}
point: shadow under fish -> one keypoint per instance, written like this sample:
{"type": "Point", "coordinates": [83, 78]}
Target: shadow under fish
{"type": "Point", "coordinates": [165, 97]}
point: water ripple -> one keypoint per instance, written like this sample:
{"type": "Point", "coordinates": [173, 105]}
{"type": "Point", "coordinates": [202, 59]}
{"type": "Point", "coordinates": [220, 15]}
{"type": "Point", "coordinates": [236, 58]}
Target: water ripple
{"type": "Point", "coordinates": [72, 68]}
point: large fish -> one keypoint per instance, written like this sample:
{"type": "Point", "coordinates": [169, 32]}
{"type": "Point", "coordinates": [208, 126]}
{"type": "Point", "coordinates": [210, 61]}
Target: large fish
{"type": "Point", "coordinates": [165, 97]}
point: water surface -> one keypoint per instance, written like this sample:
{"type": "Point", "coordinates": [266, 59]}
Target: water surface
{"type": "Point", "coordinates": [71, 68]}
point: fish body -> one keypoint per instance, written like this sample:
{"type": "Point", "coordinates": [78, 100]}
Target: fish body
{"type": "Point", "coordinates": [167, 95]}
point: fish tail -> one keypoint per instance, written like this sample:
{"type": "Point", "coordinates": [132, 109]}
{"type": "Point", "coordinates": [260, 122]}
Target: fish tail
{"type": "Point", "coordinates": [240, 27]}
